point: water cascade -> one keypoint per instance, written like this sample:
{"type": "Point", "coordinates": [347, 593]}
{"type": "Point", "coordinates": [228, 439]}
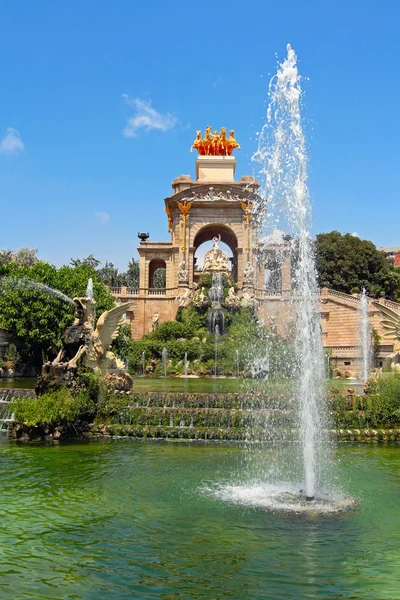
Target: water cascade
{"type": "Point", "coordinates": [164, 361]}
{"type": "Point", "coordinates": [89, 289]}
{"type": "Point", "coordinates": [216, 314]}
{"type": "Point", "coordinates": [217, 334]}
{"type": "Point", "coordinates": [143, 363]}
{"type": "Point", "coordinates": [365, 336]}
{"type": "Point", "coordinates": [185, 365]}
{"type": "Point", "coordinates": [282, 156]}
{"type": "Point", "coordinates": [237, 364]}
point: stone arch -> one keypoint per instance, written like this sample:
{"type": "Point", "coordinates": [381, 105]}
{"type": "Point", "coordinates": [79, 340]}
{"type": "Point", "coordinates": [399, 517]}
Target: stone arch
{"type": "Point", "coordinates": [154, 265]}
{"type": "Point", "coordinates": [229, 237]}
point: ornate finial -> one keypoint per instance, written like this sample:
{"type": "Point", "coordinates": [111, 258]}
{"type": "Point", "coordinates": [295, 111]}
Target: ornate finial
{"type": "Point", "coordinates": [216, 144]}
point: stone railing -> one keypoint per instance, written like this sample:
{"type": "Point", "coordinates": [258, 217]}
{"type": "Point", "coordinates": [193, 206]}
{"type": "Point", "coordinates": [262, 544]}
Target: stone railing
{"type": "Point", "coordinates": [124, 291]}
{"type": "Point", "coordinates": [344, 350]}
{"type": "Point", "coordinates": [342, 295]}
{"type": "Point", "coordinates": [391, 304]}
{"type": "Point", "coordinates": [157, 291]}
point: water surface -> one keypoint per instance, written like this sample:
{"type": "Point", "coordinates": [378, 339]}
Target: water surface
{"type": "Point", "coordinates": [125, 519]}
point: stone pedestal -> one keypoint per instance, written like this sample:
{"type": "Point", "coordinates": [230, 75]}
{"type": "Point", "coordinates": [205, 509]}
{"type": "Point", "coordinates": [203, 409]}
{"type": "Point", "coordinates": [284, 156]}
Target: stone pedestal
{"type": "Point", "coordinates": [215, 169]}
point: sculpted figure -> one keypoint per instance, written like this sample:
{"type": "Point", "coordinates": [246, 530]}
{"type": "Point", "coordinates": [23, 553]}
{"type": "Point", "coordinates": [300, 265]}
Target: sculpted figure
{"type": "Point", "coordinates": [391, 331]}
{"type": "Point", "coordinates": [216, 144]}
{"type": "Point", "coordinates": [248, 274]}
{"type": "Point", "coordinates": [183, 274]}
{"type": "Point", "coordinates": [232, 300]}
{"type": "Point", "coordinates": [154, 321]}
{"type": "Point", "coordinates": [215, 259]}
{"type": "Point", "coordinates": [198, 144]}
{"type": "Point", "coordinates": [184, 299]}
{"type": "Point", "coordinates": [232, 143]}
{"type": "Point", "coordinates": [199, 298]}
{"type": "Point", "coordinates": [249, 301]}
{"type": "Point", "coordinates": [207, 141]}
{"type": "Point", "coordinates": [82, 343]}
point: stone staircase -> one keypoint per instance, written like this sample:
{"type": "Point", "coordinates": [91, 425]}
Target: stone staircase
{"type": "Point", "coordinates": [200, 416]}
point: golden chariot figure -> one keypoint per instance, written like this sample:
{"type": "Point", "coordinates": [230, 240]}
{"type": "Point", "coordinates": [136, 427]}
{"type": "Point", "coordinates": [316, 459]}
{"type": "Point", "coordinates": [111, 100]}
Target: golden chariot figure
{"type": "Point", "coordinates": [216, 144]}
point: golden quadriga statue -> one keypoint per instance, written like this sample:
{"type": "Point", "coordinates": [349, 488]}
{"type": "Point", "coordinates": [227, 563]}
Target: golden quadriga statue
{"type": "Point", "coordinates": [216, 144]}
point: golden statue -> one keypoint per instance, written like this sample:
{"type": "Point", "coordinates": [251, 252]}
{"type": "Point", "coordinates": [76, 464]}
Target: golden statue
{"type": "Point", "coordinates": [216, 144]}
{"type": "Point", "coordinates": [232, 143]}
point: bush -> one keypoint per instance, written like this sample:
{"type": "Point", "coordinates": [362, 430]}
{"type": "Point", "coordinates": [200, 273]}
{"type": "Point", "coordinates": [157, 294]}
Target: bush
{"type": "Point", "coordinates": [57, 408]}
{"type": "Point", "coordinates": [12, 354]}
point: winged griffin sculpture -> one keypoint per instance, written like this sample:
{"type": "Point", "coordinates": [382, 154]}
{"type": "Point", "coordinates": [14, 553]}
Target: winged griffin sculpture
{"type": "Point", "coordinates": [391, 331]}
{"type": "Point", "coordinates": [82, 343]}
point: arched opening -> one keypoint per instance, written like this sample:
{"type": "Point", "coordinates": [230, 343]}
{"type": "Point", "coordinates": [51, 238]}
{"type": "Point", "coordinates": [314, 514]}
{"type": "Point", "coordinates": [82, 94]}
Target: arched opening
{"type": "Point", "coordinates": [203, 243]}
{"type": "Point", "coordinates": [157, 275]}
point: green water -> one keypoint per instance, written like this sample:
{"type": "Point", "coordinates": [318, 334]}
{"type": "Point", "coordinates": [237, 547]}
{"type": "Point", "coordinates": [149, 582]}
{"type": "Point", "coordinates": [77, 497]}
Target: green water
{"type": "Point", "coordinates": [194, 385]}
{"type": "Point", "coordinates": [127, 519]}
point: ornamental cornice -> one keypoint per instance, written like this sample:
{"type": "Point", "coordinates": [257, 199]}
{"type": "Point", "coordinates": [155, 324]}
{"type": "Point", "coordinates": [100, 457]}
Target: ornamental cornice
{"type": "Point", "coordinates": [218, 192]}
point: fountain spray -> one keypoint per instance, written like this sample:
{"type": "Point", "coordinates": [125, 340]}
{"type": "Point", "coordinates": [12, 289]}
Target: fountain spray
{"type": "Point", "coordinates": [283, 159]}
{"type": "Point", "coordinates": [365, 336]}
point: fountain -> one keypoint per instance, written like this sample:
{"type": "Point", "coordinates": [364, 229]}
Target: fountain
{"type": "Point", "coordinates": [300, 481]}
{"type": "Point", "coordinates": [216, 314]}
{"type": "Point", "coordinates": [217, 334]}
{"type": "Point", "coordinates": [365, 336]}
{"type": "Point", "coordinates": [185, 365]}
{"type": "Point", "coordinates": [164, 355]}
{"type": "Point", "coordinates": [143, 363]}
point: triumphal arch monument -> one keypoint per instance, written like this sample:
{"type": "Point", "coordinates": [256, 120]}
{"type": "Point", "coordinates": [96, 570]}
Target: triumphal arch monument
{"type": "Point", "coordinates": [214, 206]}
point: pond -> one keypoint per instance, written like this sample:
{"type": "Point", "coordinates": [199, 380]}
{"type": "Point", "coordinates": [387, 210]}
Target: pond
{"type": "Point", "coordinates": [124, 519]}
{"type": "Point", "coordinates": [195, 385]}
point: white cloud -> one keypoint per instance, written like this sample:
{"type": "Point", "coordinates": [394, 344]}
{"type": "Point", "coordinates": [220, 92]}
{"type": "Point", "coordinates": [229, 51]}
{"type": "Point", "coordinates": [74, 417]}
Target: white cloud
{"type": "Point", "coordinates": [146, 117]}
{"type": "Point", "coordinates": [11, 143]}
{"type": "Point", "coordinates": [355, 234]}
{"type": "Point", "coordinates": [102, 217]}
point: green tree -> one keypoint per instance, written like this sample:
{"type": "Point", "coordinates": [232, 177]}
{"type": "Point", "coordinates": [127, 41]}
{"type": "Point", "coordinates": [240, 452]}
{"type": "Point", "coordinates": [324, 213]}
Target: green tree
{"type": "Point", "coordinates": [90, 261]}
{"type": "Point", "coordinates": [109, 274]}
{"type": "Point", "coordinates": [348, 264]}
{"type": "Point", "coordinates": [34, 313]}
{"type": "Point", "coordinates": [26, 256]}
{"type": "Point", "coordinates": [132, 274]}
{"type": "Point", "coordinates": [159, 278]}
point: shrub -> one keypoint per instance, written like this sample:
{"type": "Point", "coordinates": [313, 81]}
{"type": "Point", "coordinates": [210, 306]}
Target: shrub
{"type": "Point", "coordinates": [57, 408]}
{"type": "Point", "coordinates": [12, 354]}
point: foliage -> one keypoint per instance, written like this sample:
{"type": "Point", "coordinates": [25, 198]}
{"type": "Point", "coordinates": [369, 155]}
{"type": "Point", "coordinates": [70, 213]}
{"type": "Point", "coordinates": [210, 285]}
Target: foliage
{"type": "Point", "coordinates": [159, 278]}
{"type": "Point", "coordinates": [109, 275]}
{"type": "Point", "coordinates": [348, 264]}
{"type": "Point", "coordinates": [36, 316]}
{"type": "Point", "coordinates": [56, 408]}
{"type": "Point", "coordinates": [23, 256]}
{"type": "Point", "coordinates": [379, 408]}
{"type": "Point", "coordinates": [123, 342]}
{"type": "Point", "coordinates": [90, 262]}
{"type": "Point", "coordinates": [26, 256]}
{"type": "Point", "coordinates": [5, 257]}
{"type": "Point", "coordinates": [170, 330]}
{"type": "Point", "coordinates": [12, 354]}
{"type": "Point", "coordinates": [132, 274]}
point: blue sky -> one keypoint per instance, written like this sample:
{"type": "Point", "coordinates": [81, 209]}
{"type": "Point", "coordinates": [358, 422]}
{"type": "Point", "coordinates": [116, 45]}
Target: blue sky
{"type": "Point", "coordinates": [82, 172]}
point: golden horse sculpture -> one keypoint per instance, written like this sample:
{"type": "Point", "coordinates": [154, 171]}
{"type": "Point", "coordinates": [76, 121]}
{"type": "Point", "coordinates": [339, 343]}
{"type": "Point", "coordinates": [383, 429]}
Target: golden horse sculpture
{"type": "Point", "coordinates": [391, 331]}
{"type": "Point", "coordinates": [216, 144]}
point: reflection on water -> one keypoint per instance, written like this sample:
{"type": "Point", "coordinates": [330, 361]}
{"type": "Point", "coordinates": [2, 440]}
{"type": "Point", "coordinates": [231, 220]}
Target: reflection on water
{"type": "Point", "coordinates": [131, 519]}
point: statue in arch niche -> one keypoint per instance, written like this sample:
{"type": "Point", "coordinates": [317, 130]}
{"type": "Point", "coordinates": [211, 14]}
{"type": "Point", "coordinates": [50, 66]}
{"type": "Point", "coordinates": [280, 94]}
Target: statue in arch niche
{"type": "Point", "coordinates": [216, 259]}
